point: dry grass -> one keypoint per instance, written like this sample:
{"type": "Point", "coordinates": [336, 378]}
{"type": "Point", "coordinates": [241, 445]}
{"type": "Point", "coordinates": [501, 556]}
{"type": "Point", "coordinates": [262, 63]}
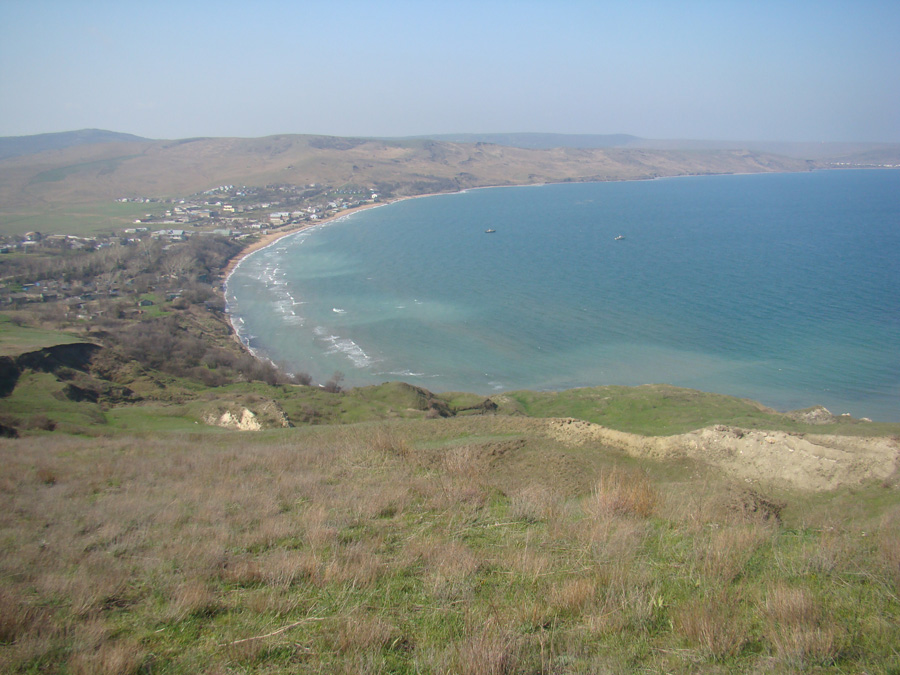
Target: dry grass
{"type": "Point", "coordinates": [714, 625]}
{"type": "Point", "coordinates": [368, 550]}
{"type": "Point", "coordinates": [797, 629]}
{"type": "Point", "coordinates": [112, 658]}
{"type": "Point", "coordinates": [487, 649]}
{"type": "Point", "coordinates": [622, 493]}
{"type": "Point", "coordinates": [17, 617]}
{"type": "Point", "coordinates": [615, 542]}
{"type": "Point", "coordinates": [534, 503]}
{"type": "Point", "coordinates": [723, 553]}
{"type": "Point", "coordinates": [889, 545]}
{"type": "Point", "coordinates": [574, 596]}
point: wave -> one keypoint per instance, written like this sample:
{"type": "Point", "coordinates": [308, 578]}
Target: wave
{"type": "Point", "coordinates": [345, 346]}
{"type": "Point", "coordinates": [405, 373]}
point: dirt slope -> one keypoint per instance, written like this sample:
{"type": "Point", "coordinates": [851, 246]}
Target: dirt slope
{"type": "Point", "coordinates": [810, 462]}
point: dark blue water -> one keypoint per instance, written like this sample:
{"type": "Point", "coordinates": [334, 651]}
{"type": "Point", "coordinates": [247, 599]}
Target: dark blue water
{"type": "Point", "coordinates": [779, 287]}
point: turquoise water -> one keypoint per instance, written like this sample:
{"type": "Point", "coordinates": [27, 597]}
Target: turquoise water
{"type": "Point", "coordinates": [778, 287]}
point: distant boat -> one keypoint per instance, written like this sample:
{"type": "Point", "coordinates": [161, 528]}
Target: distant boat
{"type": "Point", "coordinates": [620, 237]}
{"type": "Point", "coordinates": [489, 231]}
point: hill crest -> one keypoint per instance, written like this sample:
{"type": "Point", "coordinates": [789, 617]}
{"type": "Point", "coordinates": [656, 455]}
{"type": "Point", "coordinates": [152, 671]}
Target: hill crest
{"type": "Point", "coordinates": [17, 146]}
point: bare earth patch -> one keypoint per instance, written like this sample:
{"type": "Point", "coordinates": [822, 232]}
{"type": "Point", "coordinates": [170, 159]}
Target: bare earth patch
{"type": "Point", "coordinates": [809, 462]}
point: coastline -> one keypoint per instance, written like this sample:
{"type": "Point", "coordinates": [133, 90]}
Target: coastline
{"type": "Point", "coordinates": [375, 233]}
{"type": "Point", "coordinates": [267, 240]}
{"type": "Point", "coordinates": [271, 238]}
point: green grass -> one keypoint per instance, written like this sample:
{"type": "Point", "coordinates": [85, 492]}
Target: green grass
{"type": "Point", "coordinates": [39, 403]}
{"type": "Point", "coordinates": [16, 340]}
{"type": "Point", "coordinates": [371, 548]}
{"type": "Point", "coordinates": [659, 410]}
{"type": "Point", "coordinates": [79, 219]}
{"type": "Point", "coordinates": [102, 166]}
{"type": "Point", "coordinates": [154, 418]}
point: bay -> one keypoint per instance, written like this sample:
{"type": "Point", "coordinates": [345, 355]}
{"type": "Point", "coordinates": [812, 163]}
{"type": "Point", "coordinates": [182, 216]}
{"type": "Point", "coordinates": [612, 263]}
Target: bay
{"type": "Point", "coordinates": [782, 288]}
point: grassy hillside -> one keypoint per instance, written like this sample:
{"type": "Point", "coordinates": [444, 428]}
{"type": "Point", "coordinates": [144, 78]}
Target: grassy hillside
{"type": "Point", "coordinates": [16, 340]}
{"type": "Point", "coordinates": [49, 184]}
{"type": "Point", "coordinates": [465, 545]}
{"type": "Point", "coordinates": [15, 146]}
{"type": "Point", "coordinates": [168, 504]}
{"type": "Point", "coordinates": [395, 530]}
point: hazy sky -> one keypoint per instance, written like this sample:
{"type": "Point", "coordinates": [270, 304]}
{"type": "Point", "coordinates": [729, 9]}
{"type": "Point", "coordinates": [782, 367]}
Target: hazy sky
{"type": "Point", "coordinates": [757, 70]}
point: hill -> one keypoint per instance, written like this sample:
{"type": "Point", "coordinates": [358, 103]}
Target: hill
{"type": "Point", "coordinates": [16, 146]}
{"type": "Point", "coordinates": [826, 153]}
{"type": "Point", "coordinates": [171, 505]}
{"type": "Point", "coordinates": [539, 141]}
{"type": "Point", "coordinates": [470, 544]}
{"type": "Point", "coordinates": [44, 178]}
{"type": "Point", "coordinates": [100, 172]}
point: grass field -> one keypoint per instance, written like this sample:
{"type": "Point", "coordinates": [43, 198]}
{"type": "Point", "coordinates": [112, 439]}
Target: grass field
{"type": "Point", "coordinates": [468, 545]}
{"type": "Point", "coordinates": [661, 409]}
{"type": "Point", "coordinates": [398, 531]}
{"type": "Point", "coordinates": [79, 219]}
{"type": "Point", "coordinates": [15, 340]}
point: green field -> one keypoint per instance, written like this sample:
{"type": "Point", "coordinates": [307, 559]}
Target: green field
{"type": "Point", "coordinates": [15, 340]}
{"type": "Point", "coordinates": [105, 216]}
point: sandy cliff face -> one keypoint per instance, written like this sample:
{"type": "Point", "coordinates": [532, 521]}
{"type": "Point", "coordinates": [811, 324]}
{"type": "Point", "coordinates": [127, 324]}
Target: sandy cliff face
{"type": "Point", "coordinates": [812, 462]}
{"type": "Point", "coordinates": [268, 415]}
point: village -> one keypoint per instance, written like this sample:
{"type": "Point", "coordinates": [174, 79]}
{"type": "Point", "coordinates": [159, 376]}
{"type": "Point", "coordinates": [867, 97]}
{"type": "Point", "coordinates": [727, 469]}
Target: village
{"type": "Point", "coordinates": [236, 213]}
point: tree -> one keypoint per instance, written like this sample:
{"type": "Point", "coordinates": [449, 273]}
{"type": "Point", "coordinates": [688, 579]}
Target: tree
{"type": "Point", "coordinates": [334, 384]}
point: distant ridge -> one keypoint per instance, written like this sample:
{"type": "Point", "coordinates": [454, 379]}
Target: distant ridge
{"type": "Point", "coordinates": [18, 146]}
{"type": "Point", "coordinates": [848, 151]}
{"type": "Point", "coordinates": [52, 173]}
{"type": "Point", "coordinates": [540, 141]}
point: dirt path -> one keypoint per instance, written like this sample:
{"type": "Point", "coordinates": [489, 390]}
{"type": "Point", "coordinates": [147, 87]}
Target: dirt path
{"type": "Point", "coordinates": [810, 462]}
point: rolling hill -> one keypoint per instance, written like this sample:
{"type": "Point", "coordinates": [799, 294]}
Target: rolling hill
{"type": "Point", "coordinates": [16, 146]}
{"type": "Point", "coordinates": [117, 167]}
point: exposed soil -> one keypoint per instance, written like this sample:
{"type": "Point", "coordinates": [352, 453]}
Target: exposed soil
{"type": "Point", "coordinates": [809, 462]}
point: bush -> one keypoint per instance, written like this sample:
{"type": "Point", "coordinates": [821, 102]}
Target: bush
{"type": "Point", "coordinates": [40, 422]}
{"type": "Point", "coordinates": [621, 492]}
{"type": "Point", "coordinates": [333, 385]}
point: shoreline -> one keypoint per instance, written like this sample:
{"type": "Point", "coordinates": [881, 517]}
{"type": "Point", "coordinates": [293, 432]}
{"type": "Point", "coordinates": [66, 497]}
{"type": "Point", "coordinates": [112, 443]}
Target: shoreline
{"type": "Point", "coordinates": [270, 238]}
{"type": "Point", "coordinates": [276, 236]}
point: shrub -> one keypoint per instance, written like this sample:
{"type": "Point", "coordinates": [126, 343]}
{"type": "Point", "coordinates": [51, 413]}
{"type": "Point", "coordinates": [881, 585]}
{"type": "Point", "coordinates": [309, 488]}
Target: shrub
{"type": "Point", "coordinates": [622, 493]}
{"type": "Point", "coordinates": [40, 422]}
{"type": "Point", "coordinates": [333, 385]}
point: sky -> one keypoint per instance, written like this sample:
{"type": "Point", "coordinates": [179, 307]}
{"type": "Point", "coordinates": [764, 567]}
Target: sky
{"type": "Point", "coordinates": [756, 70]}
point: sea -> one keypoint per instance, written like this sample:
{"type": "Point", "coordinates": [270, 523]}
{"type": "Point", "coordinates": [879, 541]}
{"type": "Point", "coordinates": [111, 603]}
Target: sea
{"type": "Point", "coordinates": [782, 288]}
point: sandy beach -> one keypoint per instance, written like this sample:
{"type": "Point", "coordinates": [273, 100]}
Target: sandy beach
{"type": "Point", "coordinates": [271, 237]}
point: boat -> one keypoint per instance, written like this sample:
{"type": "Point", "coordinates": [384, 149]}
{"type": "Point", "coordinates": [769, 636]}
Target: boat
{"type": "Point", "coordinates": [489, 231]}
{"type": "Point", "coordinates": [620, 237]}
